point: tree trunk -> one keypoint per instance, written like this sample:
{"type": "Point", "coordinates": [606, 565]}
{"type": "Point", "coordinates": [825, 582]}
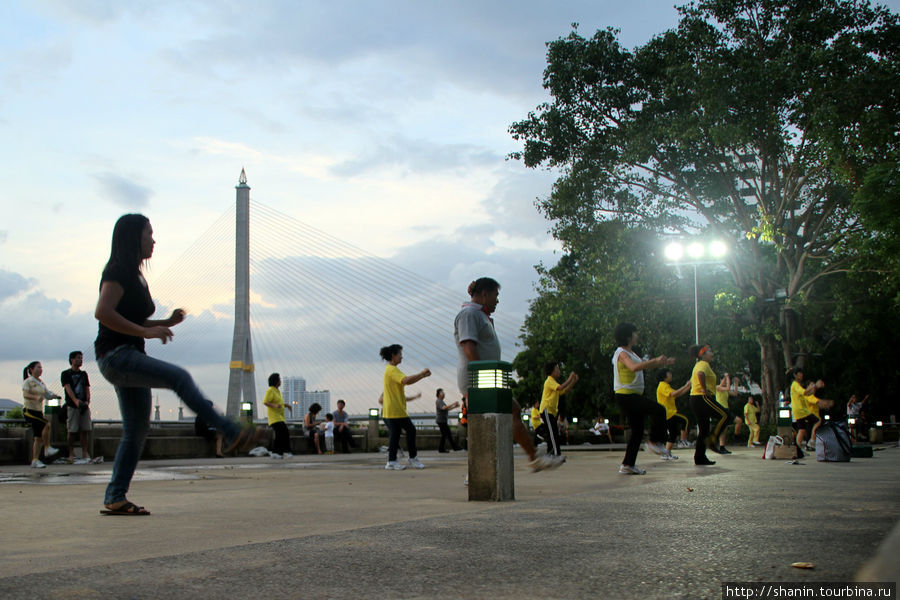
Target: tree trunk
{"type": "Point", "coordinates": [770, 378]}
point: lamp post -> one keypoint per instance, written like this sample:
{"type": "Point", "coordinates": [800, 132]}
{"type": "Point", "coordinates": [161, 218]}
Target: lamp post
{"type": "Point", "coordinates": [696, 254]}
{"type": "Point", "coordinates": [247, 411]}
{"type": "Point", "coordinates": [372, 429]}
{"type": "Point", "coordinates": [490, 431]}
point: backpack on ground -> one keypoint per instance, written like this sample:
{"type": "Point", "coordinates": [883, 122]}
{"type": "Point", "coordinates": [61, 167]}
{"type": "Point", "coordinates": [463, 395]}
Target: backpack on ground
{"type": "Point", "coordinates": [833, 442]}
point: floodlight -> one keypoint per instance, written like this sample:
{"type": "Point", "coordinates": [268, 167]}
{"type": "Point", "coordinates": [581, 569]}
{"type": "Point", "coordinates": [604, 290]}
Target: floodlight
{"type": "Point", "coordinates": [717, 249]}
{"type": "Point", "coordinates": [674, 251]}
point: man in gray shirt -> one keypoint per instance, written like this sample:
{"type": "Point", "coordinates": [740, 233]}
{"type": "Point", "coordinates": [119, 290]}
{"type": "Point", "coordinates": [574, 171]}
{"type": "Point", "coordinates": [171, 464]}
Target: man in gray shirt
{"type": "Point", "coordinates": [476, 339]}
{"type": "Point", "coordinates": [342, 428]}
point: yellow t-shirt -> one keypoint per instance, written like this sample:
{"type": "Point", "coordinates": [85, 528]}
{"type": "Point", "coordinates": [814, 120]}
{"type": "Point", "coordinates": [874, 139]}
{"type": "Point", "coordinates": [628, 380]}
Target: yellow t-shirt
{"type": "Point", "coordinates": [750, 412]}
{"type": "Point", "coordinates": [702, 367]}
{"type": "Point", "coordinates": [550, 398]}
{"type": "Point", "coordinates": [812, 402]}
{"type": "Point", "coordinates": [394, 394]}
{"type": "Point", "coordinates": [722, 397]}
{"type": "Point", "coordinates": [535, 418]}
{"type": "Point", "coordinates": [664, 396]}
{"type": "Point", "coordinates": [276, 414]}
{"type": "Point", "coordinates": [800, 402]}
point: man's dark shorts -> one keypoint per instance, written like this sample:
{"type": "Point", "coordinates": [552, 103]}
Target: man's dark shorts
{"type": "Point", "coordinates": [806, 423]}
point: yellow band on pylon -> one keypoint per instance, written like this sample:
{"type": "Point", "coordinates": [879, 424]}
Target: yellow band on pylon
{"type": "Point", "coordinates": [236, 364]}
{"type": "Point", "coordinates": [248, 368]}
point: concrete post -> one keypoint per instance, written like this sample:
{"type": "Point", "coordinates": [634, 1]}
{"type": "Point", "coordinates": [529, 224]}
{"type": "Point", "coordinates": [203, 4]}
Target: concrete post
{"type": "Point", "coordinates": [491, 457]}
{"type": "Point", "coordinates": [489, 433]}
{"type": "Point", "coordinates": [372, 434]}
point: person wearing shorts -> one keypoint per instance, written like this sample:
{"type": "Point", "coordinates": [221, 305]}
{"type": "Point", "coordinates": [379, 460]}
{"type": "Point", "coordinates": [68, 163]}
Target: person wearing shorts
{"type": "Point", "coordinates": [34, 393]}
{"type": "Point", "coordinates": [801, 401]}
{"type": "Point", "coordinates": [77, 388]}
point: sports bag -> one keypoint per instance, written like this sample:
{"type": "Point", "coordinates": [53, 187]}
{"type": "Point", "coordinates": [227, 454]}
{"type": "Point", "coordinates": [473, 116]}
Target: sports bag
{"type": "Point", "coordinates": [833, 442]}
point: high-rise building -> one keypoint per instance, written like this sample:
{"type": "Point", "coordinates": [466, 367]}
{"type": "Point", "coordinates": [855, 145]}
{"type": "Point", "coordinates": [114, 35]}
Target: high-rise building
{"type": "Point", "coordinates": [294, 392]}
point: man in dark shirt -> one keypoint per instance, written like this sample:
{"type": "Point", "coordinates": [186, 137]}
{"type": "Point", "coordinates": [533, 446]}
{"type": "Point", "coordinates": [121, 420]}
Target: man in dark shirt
{"type": "Point", "coordinates": [78, 399]}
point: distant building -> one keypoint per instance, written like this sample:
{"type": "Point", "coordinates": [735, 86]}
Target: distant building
{"type": "Point", "coordinates": [7, 405]}
{"type": "Point", "coordinates": [294, 392]}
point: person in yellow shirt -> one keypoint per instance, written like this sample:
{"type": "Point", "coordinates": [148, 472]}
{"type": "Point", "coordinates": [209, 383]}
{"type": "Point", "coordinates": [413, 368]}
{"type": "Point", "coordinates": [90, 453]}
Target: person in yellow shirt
{"type": "Point", "coordinates": [703, 402]}
{"type": "Point", "coordinates": [537, 424]}
{"type": "Point", "coordinates": [724, 391]}
{"type": "Point", "coordinates": [275, 405]}
{"type": "Point", "coordinates": [675, 421]}
{"type": "Point", "coordinates": [815, 407]}
{"type": "Point", "coordinates": [802, 398]}
{"type": "Point", "coordinates": [751, 413]}
{"type": "Point", "coordinates": [394, 412]}
{"type": "Point", "coordinates": [550, 403]}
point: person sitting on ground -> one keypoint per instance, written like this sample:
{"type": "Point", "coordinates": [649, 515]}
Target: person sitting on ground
{"type": "Point", "coordinates": [675, 421]}
{"type": "Point", "coordinates": [312, 427]}
{"type": "Point", "coordinates": [601, 427]}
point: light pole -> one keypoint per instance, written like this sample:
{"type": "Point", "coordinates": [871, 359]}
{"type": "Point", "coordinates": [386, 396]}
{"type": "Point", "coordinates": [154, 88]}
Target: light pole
{"type": "Point", "coordinates": [696, 254]}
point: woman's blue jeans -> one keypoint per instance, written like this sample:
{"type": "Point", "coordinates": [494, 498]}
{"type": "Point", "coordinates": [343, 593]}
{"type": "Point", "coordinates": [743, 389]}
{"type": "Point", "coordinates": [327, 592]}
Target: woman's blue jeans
{"type": "Point", "coordinates": [134, 374]}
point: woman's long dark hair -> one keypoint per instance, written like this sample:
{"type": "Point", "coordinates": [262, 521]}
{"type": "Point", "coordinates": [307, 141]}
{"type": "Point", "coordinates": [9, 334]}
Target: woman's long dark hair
{"type": "Point", "coordinates": [125, 252]}
{"type": "Point", "coordinates": [27, 370]}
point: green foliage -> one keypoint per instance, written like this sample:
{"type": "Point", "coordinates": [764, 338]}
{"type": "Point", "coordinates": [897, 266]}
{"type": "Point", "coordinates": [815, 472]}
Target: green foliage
{"type": "Point", "coordinates": [614, 273]}
{"type": "Point", "coordinates": [15, 413]}
{"type": "Point", "coordinates": [772, 124]}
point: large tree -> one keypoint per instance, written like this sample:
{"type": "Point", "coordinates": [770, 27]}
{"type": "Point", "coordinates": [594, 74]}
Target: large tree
{"type": "Point", "coordinates": [608, 274]}
{"type": "Point", "coordinates": [757, 121]}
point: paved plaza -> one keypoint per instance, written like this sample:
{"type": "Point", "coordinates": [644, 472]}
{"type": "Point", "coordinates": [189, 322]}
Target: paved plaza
{"type": "Point", "coordinates": [342, 527]}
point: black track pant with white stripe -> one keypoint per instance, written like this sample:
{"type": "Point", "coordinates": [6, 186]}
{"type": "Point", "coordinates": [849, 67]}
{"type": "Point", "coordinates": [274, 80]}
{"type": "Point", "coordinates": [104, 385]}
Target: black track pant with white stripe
{"type": "Point", "coordinates": [706, 408]}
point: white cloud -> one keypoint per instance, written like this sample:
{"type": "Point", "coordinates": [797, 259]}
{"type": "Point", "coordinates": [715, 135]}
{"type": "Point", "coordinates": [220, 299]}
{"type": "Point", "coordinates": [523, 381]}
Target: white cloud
{"type": "Point", "coordinates": [123, 191]}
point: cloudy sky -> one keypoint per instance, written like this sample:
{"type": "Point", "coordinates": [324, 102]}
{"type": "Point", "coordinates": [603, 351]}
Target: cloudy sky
{"type": "Point", "coordinates": [383, 124]}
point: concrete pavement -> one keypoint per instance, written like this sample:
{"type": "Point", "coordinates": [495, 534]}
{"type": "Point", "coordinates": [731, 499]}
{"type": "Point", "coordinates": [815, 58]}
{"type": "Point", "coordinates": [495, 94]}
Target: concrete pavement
{"type": "Point", "coordinates": [343, 527]}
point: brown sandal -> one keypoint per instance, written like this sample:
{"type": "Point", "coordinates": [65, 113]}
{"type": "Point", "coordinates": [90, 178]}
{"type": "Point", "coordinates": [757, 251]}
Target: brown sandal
{"type": "Point", "coordinates": [127, 509]}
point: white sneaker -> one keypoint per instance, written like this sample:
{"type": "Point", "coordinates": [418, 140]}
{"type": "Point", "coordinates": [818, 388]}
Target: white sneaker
{"type": "Point", "coordinates": [393, 465]}
{"type": "Point", "coordinates": [81, 461]}
{"type": "Point", "coordinates": [626, 470]}
{"type": "Point", "coordinates": [36, 464]}
{"type": "Point", "coordinates": [287, 455]}
{"type": "Point", "coordinates": [683, 444]}
{"type": "Point", "coordinates": [50, 452]}
{"type": "Point", "coordinates": [669, 456]}
{"type": "Point", "coordinates": [655, 448]}
{"type": "Point", "coordinates": [97, 460]}
{"type": "Point", "coordinates": [415, 463]}
{"type": "Point", "coordinates": [546, 461]}
{"type": "Point", "coordinates": [275, 455]}
{"type": "Point", "coordinates": [259, 451]}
